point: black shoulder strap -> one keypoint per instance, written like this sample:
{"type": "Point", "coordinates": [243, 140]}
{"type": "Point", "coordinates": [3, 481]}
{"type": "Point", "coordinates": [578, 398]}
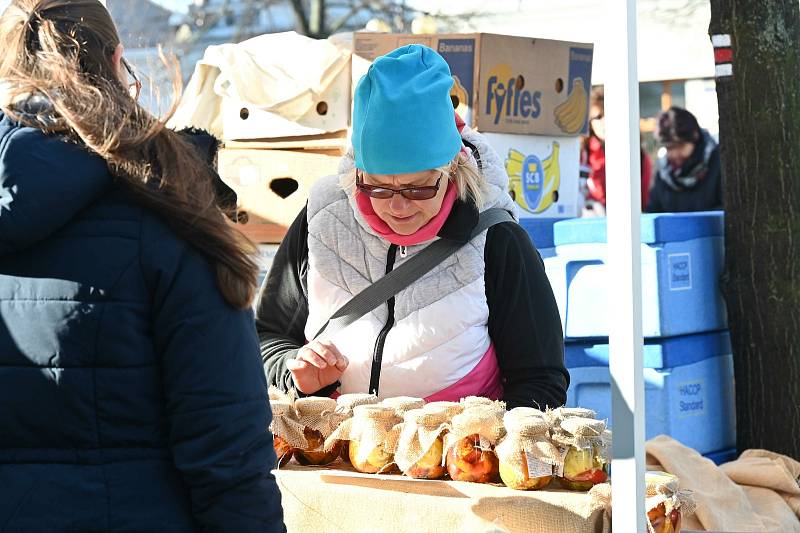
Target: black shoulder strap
{"type": "Point", "coordinates": [406, 274]}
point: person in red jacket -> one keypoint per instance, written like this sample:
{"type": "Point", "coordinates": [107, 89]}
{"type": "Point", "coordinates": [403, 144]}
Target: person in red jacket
{"type": "Point", "coordinates": [593, 157]}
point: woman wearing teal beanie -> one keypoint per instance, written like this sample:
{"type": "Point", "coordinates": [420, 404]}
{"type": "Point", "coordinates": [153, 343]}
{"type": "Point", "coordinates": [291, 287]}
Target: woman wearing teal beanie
{"type": "Point", "coordinates": [483, 322]}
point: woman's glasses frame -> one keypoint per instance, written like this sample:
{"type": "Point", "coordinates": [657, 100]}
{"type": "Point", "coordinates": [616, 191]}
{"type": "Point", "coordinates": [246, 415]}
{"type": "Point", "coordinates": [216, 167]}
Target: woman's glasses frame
{"type": "Point", "coordinates": [385, 193]}
{"type": "Point", "coordinates": [135, 87]}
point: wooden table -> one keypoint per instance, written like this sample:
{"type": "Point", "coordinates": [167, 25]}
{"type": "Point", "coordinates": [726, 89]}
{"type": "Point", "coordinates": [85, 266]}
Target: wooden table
{"type": "Point", "coordinates": [320, 499]}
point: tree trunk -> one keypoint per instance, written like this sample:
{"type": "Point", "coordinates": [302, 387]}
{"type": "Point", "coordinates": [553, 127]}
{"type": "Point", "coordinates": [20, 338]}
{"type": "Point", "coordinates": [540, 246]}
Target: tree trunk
{"type": "Point", "coordinates": [759, 109]}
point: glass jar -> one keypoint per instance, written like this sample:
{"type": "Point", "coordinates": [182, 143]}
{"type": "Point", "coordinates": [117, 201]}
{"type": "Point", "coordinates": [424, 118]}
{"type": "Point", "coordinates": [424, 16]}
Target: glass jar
{"type": "Point", "coordinates": [583, 469]}
{"type": "Point", "coordinates": [345, 404]}
{"type": "Point", "coordinates": [420, 448]}
{"type": "Point", "coordinates": [469, 460]}
{"type": "Point", "coordinates": [372, 433]}
{"type": "Point", "coordinates": [526, 454]}
{"type": "Point", "coordinates": [317, 417]}
{"type": "Point", "coordinates": [470, 444]}
{"type": "Point", "coordinates": [668, 504]}
{"type": "Point", "coordinates": [287, 433]}
{"type": "Point", "coordinates": [584, 451]}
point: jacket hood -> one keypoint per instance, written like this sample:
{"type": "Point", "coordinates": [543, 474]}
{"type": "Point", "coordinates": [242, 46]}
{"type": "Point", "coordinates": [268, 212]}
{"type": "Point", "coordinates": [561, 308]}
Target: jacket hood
{"type": "Point", "coordinates": [44, 182]}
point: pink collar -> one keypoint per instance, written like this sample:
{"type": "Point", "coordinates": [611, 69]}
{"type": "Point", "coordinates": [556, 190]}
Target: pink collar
{"type": "Point", "coordinates": [425, 233]}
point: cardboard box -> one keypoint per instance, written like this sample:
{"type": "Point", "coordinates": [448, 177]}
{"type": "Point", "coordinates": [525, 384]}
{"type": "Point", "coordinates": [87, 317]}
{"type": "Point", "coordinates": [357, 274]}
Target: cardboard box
{"type": "Point", "coordinates": [331, 114]}
{"type": "Point", "coordinates": [503, 84]}
{"type": "Point", "coordinates": [542, 173]}
{"type": "Point", "coordinates": [273, 185]}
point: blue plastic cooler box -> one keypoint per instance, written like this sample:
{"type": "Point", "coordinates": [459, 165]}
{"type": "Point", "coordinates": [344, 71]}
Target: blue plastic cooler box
{"type": "Point", "coordinates": [682, 260]}
{"type": "Point", "coordinates": [541, 233]}
{"type": "Point", "coordinates": [689, 391]}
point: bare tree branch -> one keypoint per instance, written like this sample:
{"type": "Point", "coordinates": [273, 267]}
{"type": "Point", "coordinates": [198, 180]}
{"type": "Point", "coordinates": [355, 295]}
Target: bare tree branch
{"type": "Point", "coordinates": [301, 16]}
{"type": "Point", "coordinates": [339, 24]}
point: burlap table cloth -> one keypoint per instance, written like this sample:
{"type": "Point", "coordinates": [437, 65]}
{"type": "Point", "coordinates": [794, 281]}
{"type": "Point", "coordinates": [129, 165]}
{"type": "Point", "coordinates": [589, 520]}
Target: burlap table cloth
{"type": "Point", "coordinates": [337, 499]}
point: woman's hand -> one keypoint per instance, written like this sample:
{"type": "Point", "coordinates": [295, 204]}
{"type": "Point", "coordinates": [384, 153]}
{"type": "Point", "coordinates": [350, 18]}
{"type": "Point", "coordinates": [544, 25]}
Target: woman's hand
{"type": "Point", "coordinates": [317, 365]}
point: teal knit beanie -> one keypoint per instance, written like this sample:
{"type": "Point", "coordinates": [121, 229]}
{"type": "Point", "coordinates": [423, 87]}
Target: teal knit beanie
{"type": "Point", "coordinates": [403, 118]}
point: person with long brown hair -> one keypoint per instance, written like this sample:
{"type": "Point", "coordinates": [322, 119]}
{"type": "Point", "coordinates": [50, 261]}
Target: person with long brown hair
{"type": "Point", "coordinates": [131, 391]}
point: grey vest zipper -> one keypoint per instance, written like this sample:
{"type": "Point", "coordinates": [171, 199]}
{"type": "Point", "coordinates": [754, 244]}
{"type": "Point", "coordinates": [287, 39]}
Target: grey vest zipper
{"type": "Point", "coordinates": [377, 357]}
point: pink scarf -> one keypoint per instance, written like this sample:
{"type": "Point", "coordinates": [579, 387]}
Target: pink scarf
{"type": "Point", "coordinates": [425, 233]}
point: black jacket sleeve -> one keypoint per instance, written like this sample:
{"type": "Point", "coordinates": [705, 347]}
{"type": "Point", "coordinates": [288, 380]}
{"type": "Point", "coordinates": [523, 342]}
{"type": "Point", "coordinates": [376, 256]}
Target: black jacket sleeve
{"type": "Point", "coordinates": [282, 308]}
{"type": "Point", "coordinates": [656, 190]}
{"type": "Point", "coordinates": [524, 323]}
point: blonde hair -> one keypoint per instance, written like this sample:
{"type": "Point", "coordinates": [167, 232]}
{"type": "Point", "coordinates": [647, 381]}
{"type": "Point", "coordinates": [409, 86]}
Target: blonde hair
{"type": "Point", "coordinates": [62, 50]}
{"type": "Point", "coordinates": [469, 180]}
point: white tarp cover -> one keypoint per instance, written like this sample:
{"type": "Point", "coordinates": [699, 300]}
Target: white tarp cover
{"type": "Point", "coordinates": [282, 73]}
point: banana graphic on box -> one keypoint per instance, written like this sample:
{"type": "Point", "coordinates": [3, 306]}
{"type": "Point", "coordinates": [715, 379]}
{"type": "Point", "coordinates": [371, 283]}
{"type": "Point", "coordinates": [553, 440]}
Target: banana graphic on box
{"type": "Point", "coordinates": [571, 114]}
{"type": "Point", "coordinates": [460, 98]}
{"type": "Point", "coordinates": [534, 183]}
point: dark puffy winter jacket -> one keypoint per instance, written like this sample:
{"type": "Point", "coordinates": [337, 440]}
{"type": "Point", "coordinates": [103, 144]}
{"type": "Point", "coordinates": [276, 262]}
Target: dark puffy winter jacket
{"type": "Point", "coordinates": [131, 394]}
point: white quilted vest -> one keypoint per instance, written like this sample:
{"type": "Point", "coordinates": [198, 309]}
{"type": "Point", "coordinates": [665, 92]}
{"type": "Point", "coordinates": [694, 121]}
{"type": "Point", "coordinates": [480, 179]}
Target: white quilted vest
{"type": "Point", "coordinates": [440, 328]}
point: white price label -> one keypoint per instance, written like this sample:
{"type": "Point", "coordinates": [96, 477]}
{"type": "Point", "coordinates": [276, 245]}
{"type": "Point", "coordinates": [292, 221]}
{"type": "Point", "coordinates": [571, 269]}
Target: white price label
{"type": "Point", "coordinates": [536, 467]}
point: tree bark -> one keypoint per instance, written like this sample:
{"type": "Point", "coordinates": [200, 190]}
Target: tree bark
{"type": "Point", "coordinates": [759, 109]}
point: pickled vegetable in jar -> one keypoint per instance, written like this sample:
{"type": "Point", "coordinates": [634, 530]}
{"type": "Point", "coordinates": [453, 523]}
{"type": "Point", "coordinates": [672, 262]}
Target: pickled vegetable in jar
{"type": "Point", "coordinates": [469, 446]}
{"type": "Point", "coordinates": [372, 433]}
{"type": "Point", "coordinates": [345, 404]}
{"type": "Point", "coordinates": [526, 454]}
{"type": "Point", "coordinates": [666, 504]}
{"type": "Point", "coordinates": [287, 433]}
{"type": "Point", "coordinates": [319, 420]}
{"type": "Point", "coordinates": [584, 451]}
{"type": "Point", "coordinates": [420, 449]}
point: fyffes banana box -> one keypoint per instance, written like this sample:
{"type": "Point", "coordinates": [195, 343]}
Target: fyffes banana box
{"type": "Point", "coordinates": [542, 173]}
{"type": "Point", "coordinates": [503, 84]}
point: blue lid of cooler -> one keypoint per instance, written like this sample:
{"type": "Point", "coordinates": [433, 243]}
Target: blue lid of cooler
{"type": "Point", "coordinates": [656, 227]}
{"type": "Point", "coordinates": [540, 230]}
{"type": "Point", "coordinates": [658, 353]}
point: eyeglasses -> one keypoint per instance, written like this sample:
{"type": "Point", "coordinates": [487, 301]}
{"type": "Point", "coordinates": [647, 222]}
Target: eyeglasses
{"type": "Point", "coordinates": [410, 193]}
{"type": "Point", "coordinates": [135, 87]}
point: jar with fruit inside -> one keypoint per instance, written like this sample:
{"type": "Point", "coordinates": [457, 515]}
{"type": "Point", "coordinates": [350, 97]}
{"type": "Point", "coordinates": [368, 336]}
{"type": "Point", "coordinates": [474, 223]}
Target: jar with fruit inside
{"type": "Point", "coordinates": [372, 434]}
{"type": "Point", "coordinates": [526, 454]}
{"type": "Point", "coordinates": [584, 445]}
{"type": "Point", "coordinates": [667, 504]}
{"type": "Point", "coordinates": [319, 420]}
{"type": "Point", "coordinates": [420, 448]}
{"type": "Point", "coordinates": [344, 407]}
{"type": "Point", "coordinates": [470, 454]}
{"type": "Point", "coordinates": [287, 433]}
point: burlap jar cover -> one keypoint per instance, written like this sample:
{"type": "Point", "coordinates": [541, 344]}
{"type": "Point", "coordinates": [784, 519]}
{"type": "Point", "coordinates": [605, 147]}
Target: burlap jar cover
{"type": "Point", "coordinates": [661, 487]}
{"type": "Point", "coordinates": [582, 434]}
{"type": "Point", "coordinates": [318, 414]}
{"type": "Point", "coordinates": [276, 394]}
{"type": "Point", "coordinates": [451, 409]}
{"type": "Point", "coordinates": [473, 401]}
{"type": "Point", "coordinates": [563, 413]}
{"type": "Point", "coordinates": [486, 422]}
{"type": "Point", "coordinates": [347, 402]}
{"type": "Point", "coordinates": [285, 425]}
{"type": "Point", "coordinates": [372, 426]}
{"type": "Point", "coordinates": [528, 441]}
{"type": "Point", "coordinates": [420, 429]}
{"type": "Point", "coordinates": [401, 404]}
